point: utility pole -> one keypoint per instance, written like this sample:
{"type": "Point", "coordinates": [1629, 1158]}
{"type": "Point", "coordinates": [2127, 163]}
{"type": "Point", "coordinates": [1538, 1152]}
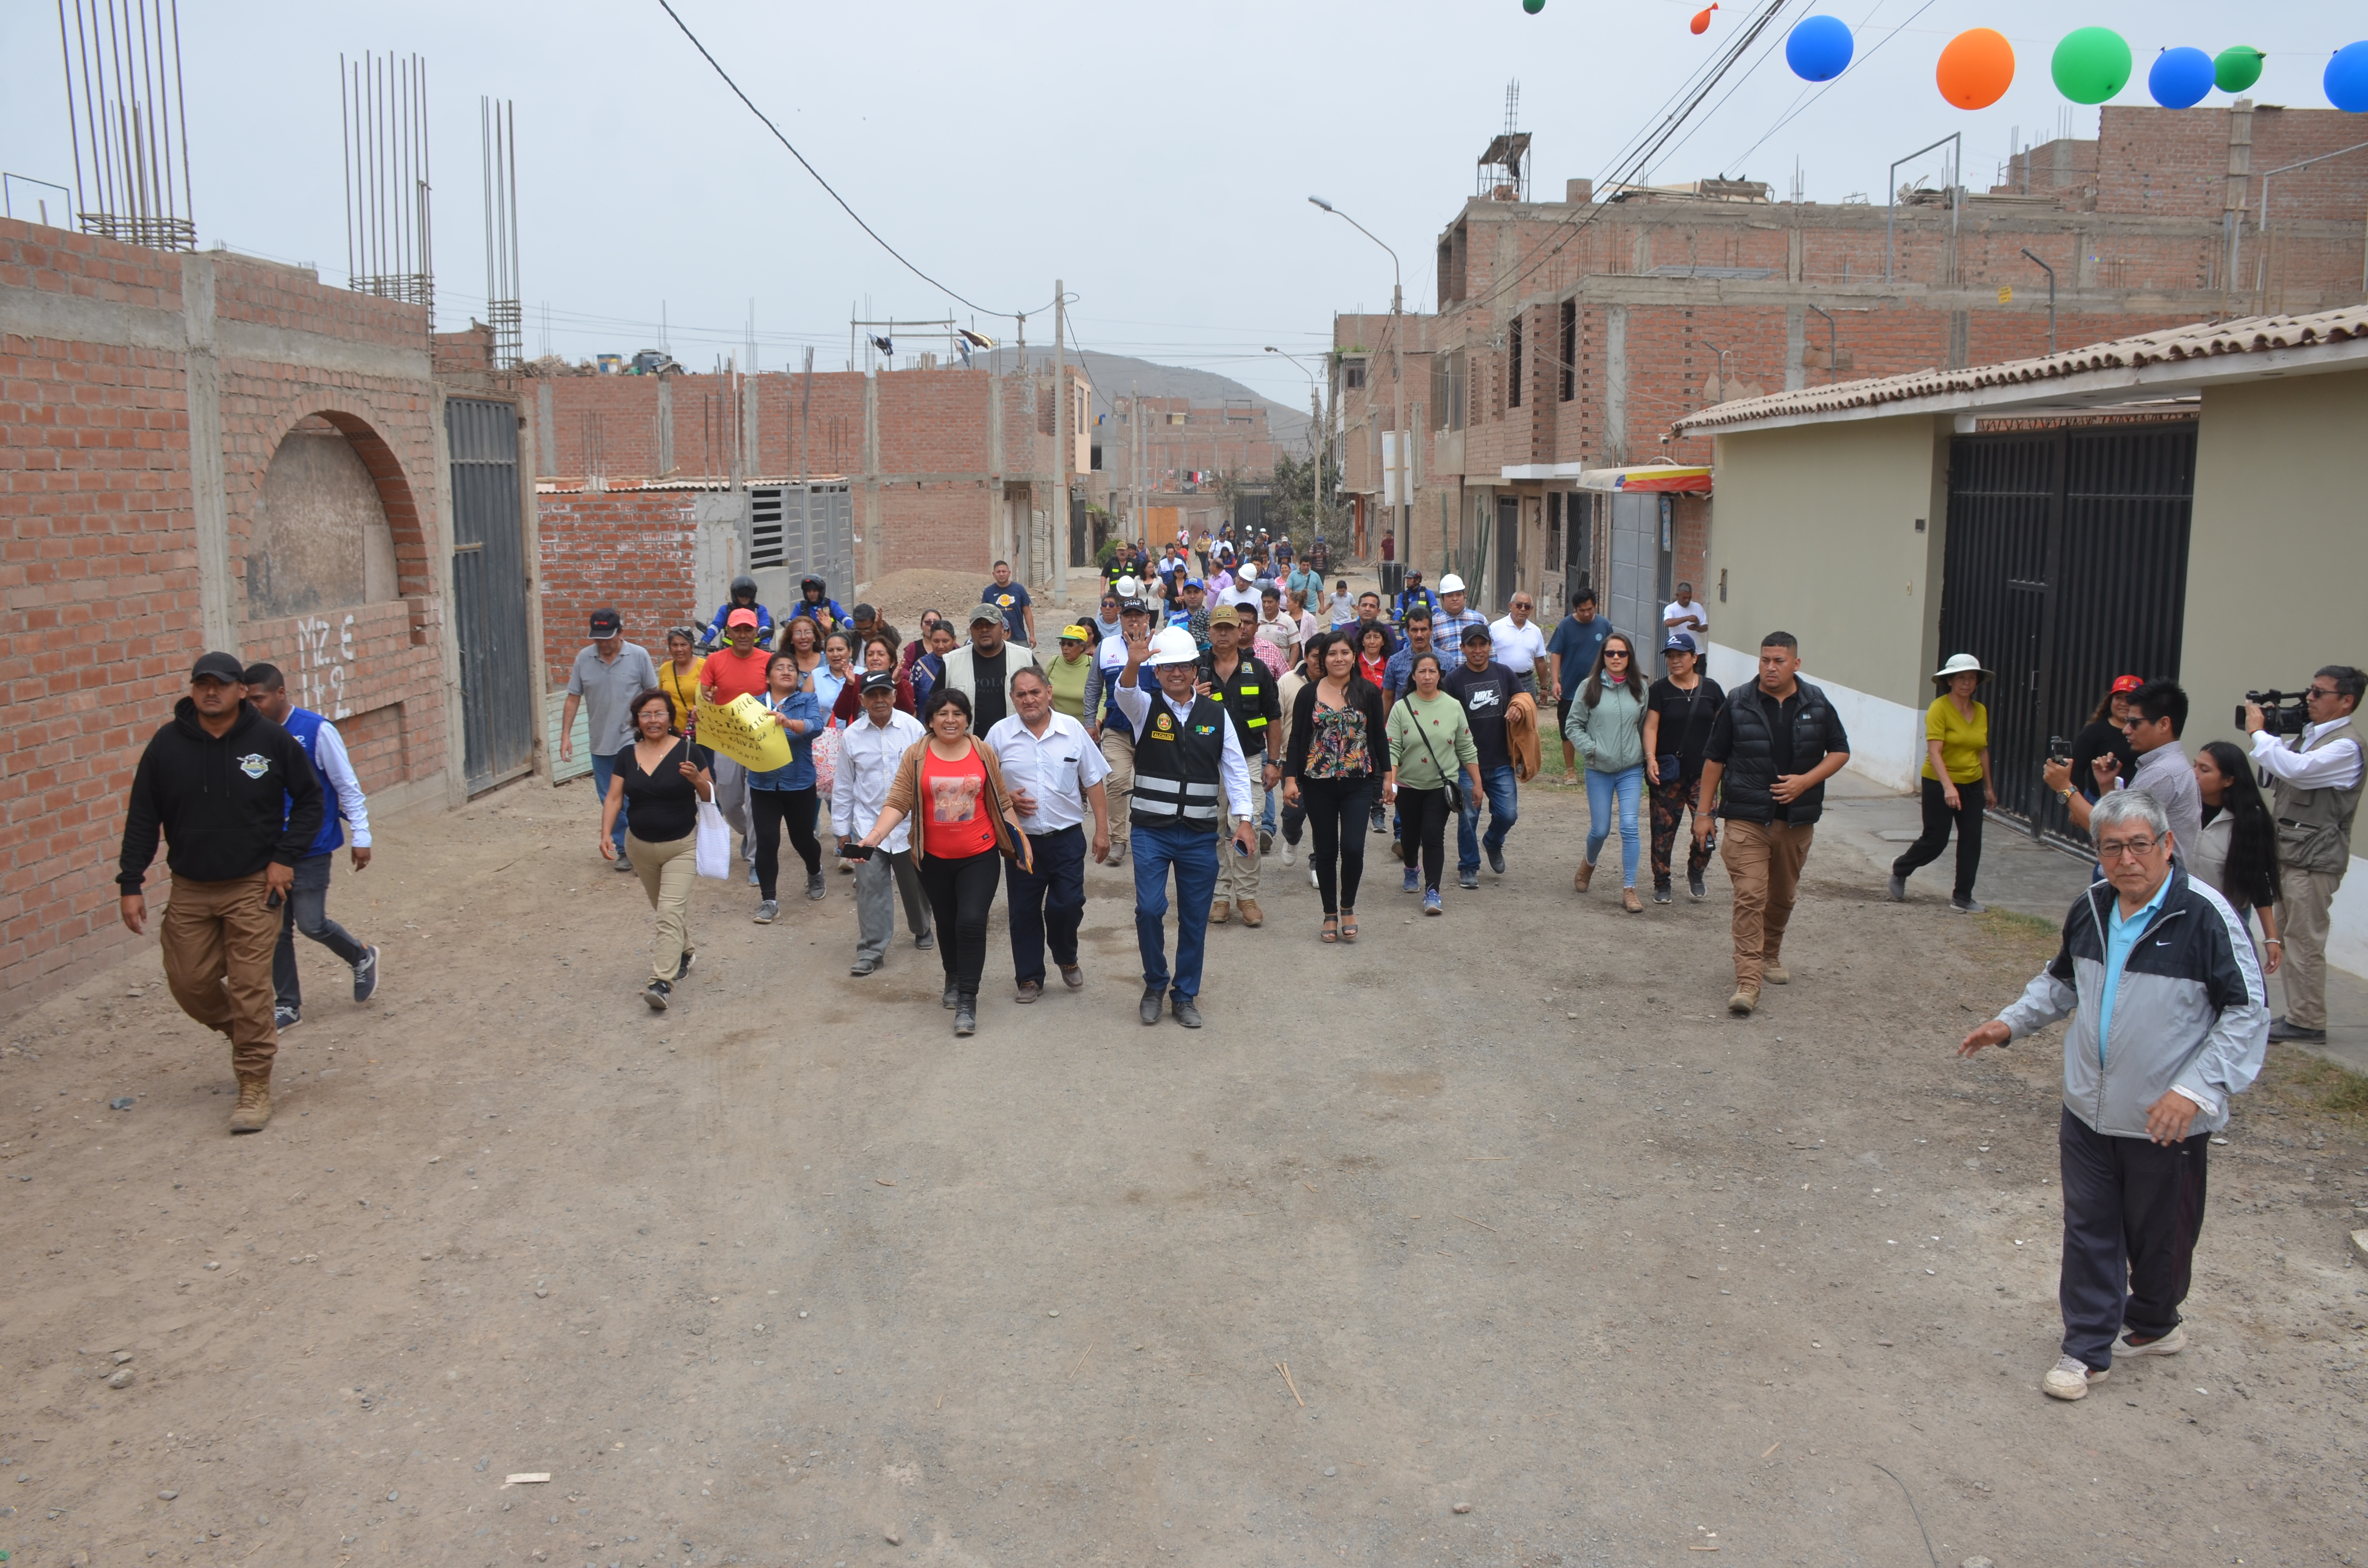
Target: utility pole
{"type": "Point", "coordinates": [1142, 529]}
{"type": "Point", "coordinates": [1402, 457]}
{"type": "Point", "coordinates": [1059, 553]}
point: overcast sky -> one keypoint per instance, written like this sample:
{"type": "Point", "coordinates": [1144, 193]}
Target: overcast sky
{"type": "Point", "coordinates": [1157, 159]}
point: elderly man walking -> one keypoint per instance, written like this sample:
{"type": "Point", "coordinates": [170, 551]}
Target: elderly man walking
{"type": "Point", "coordinates": [2169, 1021]}
{"type": "Point", "coordinates": [1056, 772]}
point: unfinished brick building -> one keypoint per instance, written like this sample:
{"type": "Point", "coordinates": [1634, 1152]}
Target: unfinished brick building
{"type": "Point", "coordinates": [211, 451]}
{"type": "Point", "coordinates": [1572, 335]}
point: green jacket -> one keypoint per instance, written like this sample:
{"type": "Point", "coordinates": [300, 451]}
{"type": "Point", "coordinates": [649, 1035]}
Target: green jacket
{"type": "Point", "coordinates": [1420, 728]}
{"type": "Point", "coordinates": [1609, 736]}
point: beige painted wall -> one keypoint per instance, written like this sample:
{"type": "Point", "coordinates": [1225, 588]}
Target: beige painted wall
{"type": "Point", "coordinates": [1815, 528]}
{"type": "Point", "coordinates": [2280, 484]}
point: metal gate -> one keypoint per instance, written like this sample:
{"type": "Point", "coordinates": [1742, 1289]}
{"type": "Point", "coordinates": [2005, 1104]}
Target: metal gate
{"type": "Point", "coordinates": [801, 531]}
{"type": "Point", "coordinates": [1505, 566]}
{"type": "Point", "coordinates": [489, 592]}
{"type": "Point", "coordinates": [1631, 591]}
{"type": "Point", "coordinates": [2066, 566]}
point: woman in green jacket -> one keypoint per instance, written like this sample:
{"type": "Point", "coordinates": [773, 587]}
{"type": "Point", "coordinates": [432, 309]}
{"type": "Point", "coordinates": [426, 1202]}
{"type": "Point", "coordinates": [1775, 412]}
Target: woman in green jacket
{"type": "Point", "coordinates": [1610, 733]}
{"type": "Point", "coordinates": [1430, 744]}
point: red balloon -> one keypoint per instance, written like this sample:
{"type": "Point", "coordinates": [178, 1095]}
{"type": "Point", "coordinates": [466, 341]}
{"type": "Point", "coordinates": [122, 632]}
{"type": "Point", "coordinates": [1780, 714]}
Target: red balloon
{"type": "Point", "coordinates": [1700, 23]}
{"type": "Point", "coordinates": [1975, 69]}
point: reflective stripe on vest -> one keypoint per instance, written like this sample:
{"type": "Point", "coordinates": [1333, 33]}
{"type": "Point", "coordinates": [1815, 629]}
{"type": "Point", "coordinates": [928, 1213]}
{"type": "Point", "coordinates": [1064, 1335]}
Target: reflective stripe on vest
{"type": "Point", "coordinates": [1174, 798]}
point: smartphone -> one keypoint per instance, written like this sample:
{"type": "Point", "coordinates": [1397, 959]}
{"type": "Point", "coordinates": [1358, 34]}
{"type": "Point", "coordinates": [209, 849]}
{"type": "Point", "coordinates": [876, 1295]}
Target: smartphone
{"type": "Point", "coordinates": [856, 852]}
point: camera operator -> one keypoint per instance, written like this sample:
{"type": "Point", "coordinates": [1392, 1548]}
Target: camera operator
{"type": "Point", "coordinates": [2158, 713]}
{"type": "Point", "coordinates": [2315, 792]}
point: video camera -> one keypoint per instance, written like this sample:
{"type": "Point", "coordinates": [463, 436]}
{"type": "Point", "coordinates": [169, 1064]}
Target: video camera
{"type": "Point", "coordinates": [2282, 709]}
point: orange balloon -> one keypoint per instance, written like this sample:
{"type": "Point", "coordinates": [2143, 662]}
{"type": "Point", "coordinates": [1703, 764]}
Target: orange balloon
{"type": "Point", "coordinates": [1975, 69]}
{"type": "Point", "coordinates": [1700, 23]}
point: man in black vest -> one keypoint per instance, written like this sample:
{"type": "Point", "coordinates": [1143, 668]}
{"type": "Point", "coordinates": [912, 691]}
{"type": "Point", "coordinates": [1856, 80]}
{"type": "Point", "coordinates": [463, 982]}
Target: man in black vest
{"type": "Point", "coordinates": [1771, 747]}
{"type": "Point", "coordinates": [1187, 759]}
{"type": "Point", "coordinates": [1234, 678]}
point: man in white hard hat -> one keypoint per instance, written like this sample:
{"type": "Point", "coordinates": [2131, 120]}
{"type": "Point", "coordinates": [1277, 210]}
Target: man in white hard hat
{"type": "Point", "coordinates": [1447, 627]}
{"type": "Point", "coordinates": [1186, 752]}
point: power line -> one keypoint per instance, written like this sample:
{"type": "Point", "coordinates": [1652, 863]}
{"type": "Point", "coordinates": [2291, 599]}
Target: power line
{"type": "Point", "coordinates": [1800, 109]}
{"type": "Point", "coordinates": [825, 185]}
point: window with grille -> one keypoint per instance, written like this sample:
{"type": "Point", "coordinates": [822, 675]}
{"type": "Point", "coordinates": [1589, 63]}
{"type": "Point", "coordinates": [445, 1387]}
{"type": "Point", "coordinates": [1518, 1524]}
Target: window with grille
{"type": "Point", "coordinates": [1353, 374]}
{"type": "Point", "coordinates": [1513, 362]}
{"type": "Point", "coordinates": [1569, 349]}
{"type": "Point", "coordinates": [764, 528]}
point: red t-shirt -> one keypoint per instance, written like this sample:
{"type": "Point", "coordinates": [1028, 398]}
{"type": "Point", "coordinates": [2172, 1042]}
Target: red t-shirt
{"type": "Point", "coordinates": [732, 675]}
{"type": "Point", "coordinates": [954, 820]}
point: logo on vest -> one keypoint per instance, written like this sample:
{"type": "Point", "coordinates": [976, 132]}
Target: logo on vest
{"type": "Point", "coordinates": [1165, 724]}
{"type": "Point", "coordinates": [255, 764]}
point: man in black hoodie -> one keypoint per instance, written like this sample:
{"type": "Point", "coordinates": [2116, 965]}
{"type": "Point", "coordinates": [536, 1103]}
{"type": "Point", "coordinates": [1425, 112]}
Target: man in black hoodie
{"type": "Point", "coordinates": [238, 802]}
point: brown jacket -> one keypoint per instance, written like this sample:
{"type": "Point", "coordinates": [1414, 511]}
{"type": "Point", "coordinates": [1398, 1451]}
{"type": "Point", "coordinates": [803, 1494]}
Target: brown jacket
{"type": "Point", "coordinates": [904, 793]}
{"type": "Point", "coordinates": [1521, 736]}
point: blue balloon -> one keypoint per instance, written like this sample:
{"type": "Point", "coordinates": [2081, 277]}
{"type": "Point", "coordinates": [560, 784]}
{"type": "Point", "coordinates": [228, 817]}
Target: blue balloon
{"type": "Point", "coordinates": [1818, 47]}
{"type": "Point", "coordinates": [2347, 79]}
{"type": "Point", "coordinates": [2179, 78]}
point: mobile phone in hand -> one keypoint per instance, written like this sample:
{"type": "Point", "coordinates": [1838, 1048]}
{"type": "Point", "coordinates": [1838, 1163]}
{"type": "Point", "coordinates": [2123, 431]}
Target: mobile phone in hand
{"type": "Point", "coordinates": [856, 852]}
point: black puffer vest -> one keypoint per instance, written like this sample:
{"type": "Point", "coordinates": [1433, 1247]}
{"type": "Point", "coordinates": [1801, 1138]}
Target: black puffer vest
{"type": "Point", "coordinates": [1751, 771]}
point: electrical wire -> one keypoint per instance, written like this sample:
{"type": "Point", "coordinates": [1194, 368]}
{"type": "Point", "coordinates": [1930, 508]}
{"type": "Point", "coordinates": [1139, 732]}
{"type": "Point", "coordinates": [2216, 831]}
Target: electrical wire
{"type": "Point", "coordinates": [1800, 109]}
{"type": "Point", "coordinates": [825, 185]}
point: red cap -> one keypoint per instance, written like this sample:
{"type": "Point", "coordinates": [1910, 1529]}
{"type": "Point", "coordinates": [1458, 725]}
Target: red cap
{"type": "Point", "coordinates": [2127, 683]}
{"type": "Point", "coordinates": [748, 617]}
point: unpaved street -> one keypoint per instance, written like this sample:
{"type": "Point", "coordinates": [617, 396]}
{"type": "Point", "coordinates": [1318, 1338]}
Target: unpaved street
{"type": "Point", "coordinates": [789, 1276]}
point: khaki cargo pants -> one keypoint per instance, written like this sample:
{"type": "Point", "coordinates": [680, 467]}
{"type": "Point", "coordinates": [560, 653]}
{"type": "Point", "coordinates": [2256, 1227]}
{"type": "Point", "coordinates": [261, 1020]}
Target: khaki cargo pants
{"type": "Point", "coordinates": [218, 938]}
{"type": "Point", "coordinates": [1763, 862]}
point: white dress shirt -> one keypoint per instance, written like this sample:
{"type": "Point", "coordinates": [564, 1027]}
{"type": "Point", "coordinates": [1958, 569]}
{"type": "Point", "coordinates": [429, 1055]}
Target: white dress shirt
{"type": "Point", "coordinates": [2331, 768]}
{"type": "Point", "coordinates": [867, 756]}
{"type": "Point", "coordinates": [1057, 767]}
{"type": "Point", "coordinates": [1234, 769]}
{"type": "Point", "coordinates": [1518, 648]}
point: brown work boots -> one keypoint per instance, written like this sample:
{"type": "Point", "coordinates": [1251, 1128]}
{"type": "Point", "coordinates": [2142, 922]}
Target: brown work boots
{"type": "Point", "coordinates": [254, 1103]}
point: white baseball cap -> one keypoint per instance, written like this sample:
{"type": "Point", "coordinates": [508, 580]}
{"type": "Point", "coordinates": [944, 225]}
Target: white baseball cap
{"type": "Point", "coordinates": [1451, 583]}
{"type": "Point", "coordinates": [1174, 645]}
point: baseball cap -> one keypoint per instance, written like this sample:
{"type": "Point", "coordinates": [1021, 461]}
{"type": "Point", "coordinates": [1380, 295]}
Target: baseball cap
{"type": "Point", "coordinates": [984, 615]}
{"type": "Point", "coordinates": [1678, 643]}
{"type": "Point", "coordinates": [879, 680]}
{"type": "Point", "coordinates": [1451, 583]}
{"type": "Point", "coordinates": [607, 622]}
{"type": "Point", "coordinates": [1075, 634]}
{"type": "Point", "coordinates": [738, 617]}
{"type": "Point", "coordinates": [219, 667]}
{"type": "Point", "coordinates": [1480, 633]}
{"type": "Point", "coordinates": [1194, 583]}
{"type": "Point", "coordinates": [2127, 683]}
{"type": "Point", "coordinates": [1223, 615]}
{"type": "Point", "coordinates": [1132, 606]}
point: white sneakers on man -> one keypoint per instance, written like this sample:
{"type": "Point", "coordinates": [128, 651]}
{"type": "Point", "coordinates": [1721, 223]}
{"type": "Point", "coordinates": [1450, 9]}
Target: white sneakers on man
{"type": "Point", "coordinates": [2070, 1377]}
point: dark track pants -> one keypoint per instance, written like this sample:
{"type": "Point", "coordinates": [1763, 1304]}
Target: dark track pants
{"type": "Point", "coordinates": [2132, 1209]}
{"type": "Point", "coordinates": [1047, 903]}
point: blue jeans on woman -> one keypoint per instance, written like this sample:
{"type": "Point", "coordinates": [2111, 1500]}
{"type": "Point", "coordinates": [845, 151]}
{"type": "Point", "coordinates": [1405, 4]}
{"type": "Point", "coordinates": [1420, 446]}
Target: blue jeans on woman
{"type": "Point", "coordinates": [1628, 786]}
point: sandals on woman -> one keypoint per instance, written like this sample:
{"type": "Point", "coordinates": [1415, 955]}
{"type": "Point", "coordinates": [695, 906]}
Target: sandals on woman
{"type": "Point", "coordinates": [1331, 928]}
{"type": "Point", "coordinates": [1347, 924]}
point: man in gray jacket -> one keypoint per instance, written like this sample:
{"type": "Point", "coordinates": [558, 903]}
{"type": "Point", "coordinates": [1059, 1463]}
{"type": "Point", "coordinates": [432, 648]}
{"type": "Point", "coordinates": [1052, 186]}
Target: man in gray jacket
{"type": "Point", "coordinates": [2169, 1021]}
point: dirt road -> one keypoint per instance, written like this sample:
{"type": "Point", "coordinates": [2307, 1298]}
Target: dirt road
{"type": "Point", "coordinates": [789, 1276]}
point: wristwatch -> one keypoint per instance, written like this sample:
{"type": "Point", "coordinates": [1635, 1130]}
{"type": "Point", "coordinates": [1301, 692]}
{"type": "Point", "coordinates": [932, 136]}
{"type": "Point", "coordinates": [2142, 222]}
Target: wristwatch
{"type": "Point", "coordinates": [2065, 794]}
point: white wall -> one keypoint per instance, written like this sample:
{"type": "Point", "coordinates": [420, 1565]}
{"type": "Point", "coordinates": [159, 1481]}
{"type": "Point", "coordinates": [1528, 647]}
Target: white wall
{"type": "Point", "coordinates": [1886, 737]}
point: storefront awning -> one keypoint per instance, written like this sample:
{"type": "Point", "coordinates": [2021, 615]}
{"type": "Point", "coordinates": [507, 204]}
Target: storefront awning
{"type": "Point", "coordinates": [1648, 477]}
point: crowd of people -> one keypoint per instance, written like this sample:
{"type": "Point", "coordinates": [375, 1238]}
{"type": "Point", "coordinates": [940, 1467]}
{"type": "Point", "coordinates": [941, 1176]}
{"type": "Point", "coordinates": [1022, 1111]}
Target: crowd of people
{"type": "Point", "coordinates": [1200, 715]}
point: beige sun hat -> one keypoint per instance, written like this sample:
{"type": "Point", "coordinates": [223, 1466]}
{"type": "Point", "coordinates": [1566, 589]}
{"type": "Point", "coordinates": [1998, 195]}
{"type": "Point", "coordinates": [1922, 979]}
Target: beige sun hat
{"type": "Point", "coordinates": [1959, 664]}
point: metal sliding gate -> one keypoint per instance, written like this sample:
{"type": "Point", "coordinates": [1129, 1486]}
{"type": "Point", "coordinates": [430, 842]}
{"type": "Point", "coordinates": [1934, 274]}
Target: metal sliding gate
{"type": "Point", "coordinates": [489, 592]}
{"type": "Point", "coordinates": [2066, 566]}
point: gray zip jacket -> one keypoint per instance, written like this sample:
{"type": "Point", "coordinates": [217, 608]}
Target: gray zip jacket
{"type": "Point", "coordinates": [2190, 1014]}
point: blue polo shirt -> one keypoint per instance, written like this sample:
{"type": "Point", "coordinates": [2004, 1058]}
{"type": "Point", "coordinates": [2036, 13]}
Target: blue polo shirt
{"type": "Point", "coordinates": [2121, 939]}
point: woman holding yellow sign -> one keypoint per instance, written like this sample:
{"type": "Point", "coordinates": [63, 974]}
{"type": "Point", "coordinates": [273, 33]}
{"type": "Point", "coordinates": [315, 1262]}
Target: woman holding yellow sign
{"type": "Point", "coordinates": [786, 794]}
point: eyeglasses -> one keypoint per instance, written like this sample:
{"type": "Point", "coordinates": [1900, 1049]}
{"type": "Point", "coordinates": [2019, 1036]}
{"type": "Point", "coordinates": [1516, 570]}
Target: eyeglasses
{"type": "Point", "coordinates": [1611, 653]}
{"type": "Point", "coordinates": [2328, 692]}
{"type": "Point", "coordinates": [2136, 850]}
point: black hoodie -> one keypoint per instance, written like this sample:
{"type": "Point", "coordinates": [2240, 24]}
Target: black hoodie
{"type": "Point", "coordinates": [228, 806]}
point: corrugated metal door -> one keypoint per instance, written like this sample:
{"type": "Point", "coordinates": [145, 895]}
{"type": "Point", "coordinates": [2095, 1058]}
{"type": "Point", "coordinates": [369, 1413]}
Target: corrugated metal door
{"type": "Point", "coordinates": [2066, 566]}
{"type": "Point", "coordinates": [489, 592]}
{"type": "Point", "coordinates": [1631, 597]}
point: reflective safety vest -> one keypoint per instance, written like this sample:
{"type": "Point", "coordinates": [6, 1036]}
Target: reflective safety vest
{"type": "Point", "coordinates": [1179, 765]}
{"type": "Point", "coordinates": [1249, 699]}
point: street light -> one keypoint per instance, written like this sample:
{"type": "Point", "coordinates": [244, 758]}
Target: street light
{"type": "Point", "coordinates": [1315, 441]}
{"type": "Point", "coordinates": [1397, 385]}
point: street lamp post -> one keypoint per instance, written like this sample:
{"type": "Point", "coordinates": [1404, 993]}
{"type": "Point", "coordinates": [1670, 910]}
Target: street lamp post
{"type": "Point", "coordinates": [1315, 433]}
{"type": "Point", "coordinates": [1397, 385]}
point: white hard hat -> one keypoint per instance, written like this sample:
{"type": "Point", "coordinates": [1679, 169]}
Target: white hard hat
{"type": "Point", "coordinates": [1128, 587]}
{"type": "Point", "coordinates": [1174, 645]}
{"type": "Point", "coordinates": [1451, 583]}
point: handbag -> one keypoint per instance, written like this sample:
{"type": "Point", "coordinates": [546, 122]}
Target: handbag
{"type": "Point", "coordinates": [715, 847]}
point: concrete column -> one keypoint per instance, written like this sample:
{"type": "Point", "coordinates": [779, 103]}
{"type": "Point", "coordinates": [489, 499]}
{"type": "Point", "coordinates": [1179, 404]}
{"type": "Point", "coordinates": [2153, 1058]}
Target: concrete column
{"type": "Point", "coordinates": [752, 460]}
{"type": "Point", "coordinates": [1796, 342]}
{"type": "Point", "coordinates": [666, 425]}
{"type": "Point", "coordinates": [546, 433]}
{"type": "Point", "coordinates": [872, 552]}
{"type": "Point", "coordinates": [995, 487]}
{"type": "Point", "coordinates": [209, 505]}
{"type": "Point", "coordinates": [1615, 385]}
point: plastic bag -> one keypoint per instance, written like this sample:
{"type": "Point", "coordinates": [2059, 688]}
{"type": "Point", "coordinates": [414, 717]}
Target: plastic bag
{"type": "Point", "coordinates": [826, 759]}
{"type": "Point", "coordinates": [714, 851]}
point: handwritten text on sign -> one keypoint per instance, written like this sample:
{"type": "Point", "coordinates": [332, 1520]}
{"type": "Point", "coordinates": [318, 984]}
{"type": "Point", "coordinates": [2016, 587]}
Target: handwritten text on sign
{"type": "Point", "coordinates": [743, 731]}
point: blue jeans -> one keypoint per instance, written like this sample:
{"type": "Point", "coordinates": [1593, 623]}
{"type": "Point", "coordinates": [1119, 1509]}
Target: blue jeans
{"type": "Point", "coordinates": [1504, 810]}
{"type": "Point", "coordinates": [1191, 849]}
{"type": "Point", "coordinates": [604, 768]}
{"type": "Point", "coordinates": [1628, 784]}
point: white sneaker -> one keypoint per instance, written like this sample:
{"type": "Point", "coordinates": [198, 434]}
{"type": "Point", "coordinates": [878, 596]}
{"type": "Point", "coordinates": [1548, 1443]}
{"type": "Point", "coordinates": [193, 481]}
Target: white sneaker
{"type": "Point", "coordinates": [1313, 880]}
{"type": "Point", "coordinates": [1289, 857]}
{"type": "Point", "coordinates": [2170, 1344]}
{"type": "Point", "coordinates": [2069, 1379]}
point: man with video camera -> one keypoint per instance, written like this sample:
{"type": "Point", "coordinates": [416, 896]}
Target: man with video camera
{"type": "Point", "coordinates": [2315, 793]}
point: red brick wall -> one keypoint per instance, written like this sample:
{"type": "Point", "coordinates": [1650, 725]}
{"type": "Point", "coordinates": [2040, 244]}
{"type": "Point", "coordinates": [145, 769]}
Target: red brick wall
{"type": "Point", "coordinates": [99, 572]}
{"type": "Point", "coordinates": [943, 526]}
{"type": "Point", "coordinates": [627, 550]}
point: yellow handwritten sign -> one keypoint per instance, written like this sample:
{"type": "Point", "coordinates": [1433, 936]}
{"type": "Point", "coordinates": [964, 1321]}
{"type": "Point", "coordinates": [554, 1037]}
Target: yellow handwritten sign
{"type": "Point", "coordinates": [743, 731]}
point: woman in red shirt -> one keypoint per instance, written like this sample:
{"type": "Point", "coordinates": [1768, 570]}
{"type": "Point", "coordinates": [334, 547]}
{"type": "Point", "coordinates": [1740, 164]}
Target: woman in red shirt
{"type": "Point", "coordinates": [955, 786]}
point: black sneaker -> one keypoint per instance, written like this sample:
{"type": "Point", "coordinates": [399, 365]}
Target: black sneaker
{"type": "Point", "coordinates": [1496, 860]}
{"type": "Point", "coordinates": [1696, 888]}
{"type": "Point", "coordinates": [621, 865]}
{"type": "Point", "coordinates": [1188, 1011]}
{"type": "Point", "coordinates": [966, 1017]}
{"type": "Point", "coordinates": [1151, 998]}
{"type": "Point", "coordinates": [924, 942]}
{"type": "Point", "coordinates": [1661, 893]}
{"type": "Point", "coordinates": [1470, 878]}
{"type": "Point", "coordinates": [285, 1018]}
{"type": "Point", "coordinates": [864, 966]}
{"type": "Point", "coordinates": [366, 975]}
{"type": "Point", "coordinates": [689, 957]}
{"type": "Point", "coordinates": [657, 993]}
{"type": "Point", "coordinates": [950, 997]}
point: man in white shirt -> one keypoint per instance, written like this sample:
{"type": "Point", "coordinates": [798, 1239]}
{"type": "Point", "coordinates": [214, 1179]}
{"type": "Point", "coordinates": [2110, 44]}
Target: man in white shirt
{"type": "Point", "coordinates": [1243, 594]}
{"type": "Point", "coordinates": [1344, 609]}
{"type": "Point", "coordinates": [1684, 614]}
{"type": "Point", "coordinates": [308, 897]}
{"type": "Point", "coordinates": [1186, 756]}
{"type": "Point", "coordinates": [1055, 774]}
{"type": "Point", "coordinates": [870, 750]}
{"type": "Point", "coordinates": [2315, 794]}
{"type": "Point", "coordinates": [1518, 642]}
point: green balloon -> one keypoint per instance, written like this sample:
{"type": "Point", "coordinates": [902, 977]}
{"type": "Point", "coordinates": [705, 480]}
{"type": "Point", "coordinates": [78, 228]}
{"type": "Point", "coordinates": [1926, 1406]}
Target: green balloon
{"type": "Point", "coordinates": [2233, 70]}
{"type": "Point", "coordinates": [2091, 64]}
{"type": "Point", "coordinates": [1534, 7]}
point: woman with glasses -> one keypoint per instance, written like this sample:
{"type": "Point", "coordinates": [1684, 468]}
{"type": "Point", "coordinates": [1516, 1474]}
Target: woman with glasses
{"type": "Point", "coordinates": [1609, 733]}
{"type": "Point", "coordinates": [803, 644]}
{"type": "Point", "coordinates": [658, 783]}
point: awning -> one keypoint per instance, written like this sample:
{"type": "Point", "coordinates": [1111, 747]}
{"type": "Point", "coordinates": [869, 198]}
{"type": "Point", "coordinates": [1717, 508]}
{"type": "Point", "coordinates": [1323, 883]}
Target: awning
{"type": "Point", "coordinates": [1648, 477]}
